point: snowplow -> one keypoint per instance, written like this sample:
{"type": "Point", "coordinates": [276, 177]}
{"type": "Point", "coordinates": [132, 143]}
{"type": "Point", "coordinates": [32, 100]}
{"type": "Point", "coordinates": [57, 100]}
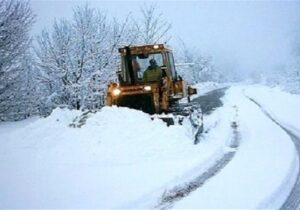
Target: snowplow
{"type": "Point", "coordinates": [148, 81]}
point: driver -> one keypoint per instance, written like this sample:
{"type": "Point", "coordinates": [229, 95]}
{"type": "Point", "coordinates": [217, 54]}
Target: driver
{"type": "Point", "coordinates": [153, 73]}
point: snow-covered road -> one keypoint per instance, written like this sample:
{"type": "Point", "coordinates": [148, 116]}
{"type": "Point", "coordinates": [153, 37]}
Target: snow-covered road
{"type": "Point", "coordinates": [293, 200]}
{"type": "Point", "coordinates": [120, 158]}
{"type": "Point", "coordinates": [290, 127]}
{"type": "Point", "coordinates": [263, 170]}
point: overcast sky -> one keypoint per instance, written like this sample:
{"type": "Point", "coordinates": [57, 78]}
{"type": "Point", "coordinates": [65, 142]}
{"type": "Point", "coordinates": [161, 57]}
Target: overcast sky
{"type": "Point", "coordinates": [248, 35]}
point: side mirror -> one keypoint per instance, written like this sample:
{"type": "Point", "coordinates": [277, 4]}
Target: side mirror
{"type": "Point", "coordinates": [119, 75]}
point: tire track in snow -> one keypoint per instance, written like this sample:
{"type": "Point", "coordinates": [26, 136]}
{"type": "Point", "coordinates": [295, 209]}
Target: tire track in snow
{"type": "Point", "coordinates": [177, 193]}
{"type": "Point", "coordinates": [293, 200]}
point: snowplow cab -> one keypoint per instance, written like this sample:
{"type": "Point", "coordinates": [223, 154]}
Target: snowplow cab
{"type": "Point", "coordinates": [147, 80]}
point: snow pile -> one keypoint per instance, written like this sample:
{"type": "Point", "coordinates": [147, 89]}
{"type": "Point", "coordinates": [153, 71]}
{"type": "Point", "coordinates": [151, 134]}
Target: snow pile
{"type": "Point", "coordinates": [119, 158]}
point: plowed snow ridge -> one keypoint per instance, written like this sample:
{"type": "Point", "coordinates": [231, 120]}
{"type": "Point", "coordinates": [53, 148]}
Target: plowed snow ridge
{"type": "Point", "coordinates": [179, 192]}
{"type": "Point", "coordinates": [293, 200]}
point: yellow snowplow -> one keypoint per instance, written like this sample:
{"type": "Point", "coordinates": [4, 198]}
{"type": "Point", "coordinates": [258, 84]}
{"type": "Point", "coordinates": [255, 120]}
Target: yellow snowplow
{"type": "Point", "coordinates": [148, 81]}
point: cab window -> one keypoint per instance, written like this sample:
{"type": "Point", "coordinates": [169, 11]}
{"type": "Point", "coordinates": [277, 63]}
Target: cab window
{"type": "Point", "coordinates": [140, 63]}
{"type": "Point", "coordinates": [172, 65]}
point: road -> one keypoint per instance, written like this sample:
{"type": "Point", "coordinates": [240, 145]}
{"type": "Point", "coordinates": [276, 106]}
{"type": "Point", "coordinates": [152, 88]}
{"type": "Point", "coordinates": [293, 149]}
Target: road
{"type": "Point", "coordinates": [210, 102]}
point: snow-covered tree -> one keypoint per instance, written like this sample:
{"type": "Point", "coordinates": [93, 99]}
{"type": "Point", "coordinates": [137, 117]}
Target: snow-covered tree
{"type": "Point", "coordinates": [28, 93]}
{"type": "Point", "coordinates": [288, 75]}
{"type": "Point", "coordinates": [79, 57]}
{"type": "Point", "coordinates": [16, 19]}
{"type": "Point", "coordinates": [295, 69]}
{"type": "Point", "coordinates": [194, 66]}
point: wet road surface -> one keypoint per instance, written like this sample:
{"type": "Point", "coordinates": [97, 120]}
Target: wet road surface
{"type": "Point", "coordinates": [211, 100]}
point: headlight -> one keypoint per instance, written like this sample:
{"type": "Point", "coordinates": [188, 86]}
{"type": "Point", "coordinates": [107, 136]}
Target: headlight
{"type": "Point", "coordinates": [147, 88]}
{"type": "Point", "coordinates": [156, 46]}
{"type": "Point", "coordinates": [116, 92]}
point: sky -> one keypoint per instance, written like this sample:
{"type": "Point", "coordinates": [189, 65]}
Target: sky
{"type": "Point", "coordinates": [244, 35]}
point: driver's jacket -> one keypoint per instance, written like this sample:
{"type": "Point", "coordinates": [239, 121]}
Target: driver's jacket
{"type": "Point", "coordinates": [152, 74]}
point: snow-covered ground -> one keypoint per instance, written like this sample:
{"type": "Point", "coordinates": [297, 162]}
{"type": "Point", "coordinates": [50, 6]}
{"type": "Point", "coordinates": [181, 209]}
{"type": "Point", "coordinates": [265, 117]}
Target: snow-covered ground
{"type": "Point", "coordinates": [120, 158]}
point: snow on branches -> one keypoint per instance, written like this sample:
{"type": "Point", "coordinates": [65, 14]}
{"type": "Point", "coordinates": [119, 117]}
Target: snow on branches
{"type": "Point", "coordinates": [16, 19]}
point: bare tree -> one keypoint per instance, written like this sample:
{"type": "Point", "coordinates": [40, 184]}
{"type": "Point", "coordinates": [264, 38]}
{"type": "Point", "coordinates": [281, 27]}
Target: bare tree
{"type": "Point", "coordinates": [152, 27]}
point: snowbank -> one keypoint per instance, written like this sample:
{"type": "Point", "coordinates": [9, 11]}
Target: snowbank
{"type": "Point", "coordinates": [115, 160]}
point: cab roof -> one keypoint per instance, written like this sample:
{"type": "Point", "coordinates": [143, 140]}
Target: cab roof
{"type": "Point", "coordinates": [145, 49]}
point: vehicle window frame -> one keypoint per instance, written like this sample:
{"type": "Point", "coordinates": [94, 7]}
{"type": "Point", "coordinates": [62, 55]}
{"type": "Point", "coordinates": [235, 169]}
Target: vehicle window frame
{"type": "Point", "coordinates": [172, 65]}
{"type": "Point", "coordinates": [125, 74]}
